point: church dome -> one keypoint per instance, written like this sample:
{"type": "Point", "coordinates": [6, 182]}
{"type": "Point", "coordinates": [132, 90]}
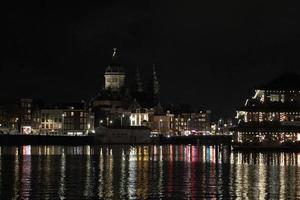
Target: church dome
{"type": "Point", "coordinates": [114, 68]}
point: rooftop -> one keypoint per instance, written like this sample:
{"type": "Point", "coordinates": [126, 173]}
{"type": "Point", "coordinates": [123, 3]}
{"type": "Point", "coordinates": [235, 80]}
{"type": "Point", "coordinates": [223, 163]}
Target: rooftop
{"type": "Point", "coordinates": [290, 81]}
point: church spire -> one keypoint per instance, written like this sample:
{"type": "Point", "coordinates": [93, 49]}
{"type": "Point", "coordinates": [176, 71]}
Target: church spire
{"type": "Point", "coordinates": [155, 81]}
{"type": "Point", "coordinates": [139, 85]}
{"type": "Point", "coordinates": [154, 87]}
{"type": "Point", "coordinates": [115, 55]}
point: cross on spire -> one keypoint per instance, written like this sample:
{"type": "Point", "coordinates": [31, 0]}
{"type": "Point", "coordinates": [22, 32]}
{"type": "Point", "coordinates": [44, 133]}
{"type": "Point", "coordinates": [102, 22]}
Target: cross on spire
{"type": "Point", "coordinates": [114, 55]}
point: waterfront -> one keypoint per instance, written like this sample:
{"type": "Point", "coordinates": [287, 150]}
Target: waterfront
{"type": "Point", "coordinates": [141, 172]}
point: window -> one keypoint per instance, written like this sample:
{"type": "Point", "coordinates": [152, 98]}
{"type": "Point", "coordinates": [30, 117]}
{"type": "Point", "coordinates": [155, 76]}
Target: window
{"type": "Point", "coordinates": [274, 97]}
{"type": "Point", "coordinates": [72, 114]}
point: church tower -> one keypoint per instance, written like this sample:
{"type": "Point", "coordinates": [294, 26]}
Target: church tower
{"type": "Point", "coordinates": [139, 84]}
{"type": "Point", "coordinates": [114, 74]}
{"type": "Point", "coordinates": [154, 87]}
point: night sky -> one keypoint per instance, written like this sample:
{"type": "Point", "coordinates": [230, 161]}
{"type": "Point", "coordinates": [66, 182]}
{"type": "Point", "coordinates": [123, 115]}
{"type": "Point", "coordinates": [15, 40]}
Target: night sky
{"type": "Point", "coordinates": [208, 53]}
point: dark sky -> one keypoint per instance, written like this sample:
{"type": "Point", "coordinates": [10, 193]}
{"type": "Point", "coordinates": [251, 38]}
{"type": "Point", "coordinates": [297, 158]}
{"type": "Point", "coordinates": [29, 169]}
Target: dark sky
{"type": "Point", "coordinates": [208, 53]}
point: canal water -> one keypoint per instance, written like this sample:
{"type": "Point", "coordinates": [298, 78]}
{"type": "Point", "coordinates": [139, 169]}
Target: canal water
{"type": "Point", "coordinates": [146, 172]}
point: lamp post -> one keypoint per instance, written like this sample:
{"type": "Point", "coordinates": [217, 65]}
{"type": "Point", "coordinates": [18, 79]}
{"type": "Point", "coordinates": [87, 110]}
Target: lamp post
{"type": "Point", "coordinates": [160, 122]}
{"type": "Point", "coordinates": [62, 123]}
{"type": "Point", "coordinates": [122, 119]}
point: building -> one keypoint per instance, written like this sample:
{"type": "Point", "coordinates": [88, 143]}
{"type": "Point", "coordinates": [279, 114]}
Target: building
{"type": "Point", "coordinates": [77, 120]}
{"type": "Point", "coordinates": [112, 104]}
{"type": "Point", "coordinates": [25, 116]}
{"type": "Point", "coordinates": [272, 115]}
{"type": "Point", "coordinates": [139, 116]}
{"type": "Point", "coordinates": [161, 122]}
{"type": "Point", "coordinates": [114, 74]}
{"type": "Point", "coordinates": [197, 123]}
{"type": "Point", "coordinates": [69, 119]}
{"type": "Point", "coordinates": [51, 121]}
{"type": "Point", "coordinates": [30, 116]}
{"type": "Point", "coordinates": [221, 127]}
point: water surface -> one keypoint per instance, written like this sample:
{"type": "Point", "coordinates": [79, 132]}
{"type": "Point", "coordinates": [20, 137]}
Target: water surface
{"type": "Point", "coordinates": [146, 172]}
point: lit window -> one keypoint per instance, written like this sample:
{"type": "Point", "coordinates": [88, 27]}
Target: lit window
{"type": "Point", "coordinates": [274, 97]}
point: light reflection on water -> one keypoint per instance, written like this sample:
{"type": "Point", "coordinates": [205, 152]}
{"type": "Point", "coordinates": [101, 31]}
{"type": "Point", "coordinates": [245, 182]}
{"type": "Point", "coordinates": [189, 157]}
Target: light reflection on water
{"type": "Point", "coordinates": [146, 172]}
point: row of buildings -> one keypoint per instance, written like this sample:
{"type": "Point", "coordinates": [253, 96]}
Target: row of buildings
{"type": "Point", "coordinates": [119, 102]}
{"type": "Point", "coordinates": [29, 116]}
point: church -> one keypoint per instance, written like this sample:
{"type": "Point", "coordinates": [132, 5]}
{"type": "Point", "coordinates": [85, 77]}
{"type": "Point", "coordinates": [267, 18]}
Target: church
{"type": "Point", "coordinates": [118, 98]}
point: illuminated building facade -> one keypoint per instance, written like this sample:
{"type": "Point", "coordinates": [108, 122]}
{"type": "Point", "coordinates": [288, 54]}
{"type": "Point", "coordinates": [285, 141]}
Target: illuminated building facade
{"type": "Point", "coordinates": [221, 127]}
{"type": "Point", "coordinates": [162, 123]}
{"type": "Point", "coordinates": [272, 115]}
{"type": "Point", "coordinates": [51, 121]}
{"type": "Point", "coordinates": [69, 120]}
{"type": "Point", "coordinates": [192, 123]}
{"type": "Point", "coordinates": [139, 116]}
{"type": "Point", "coordinates": [34, 117]}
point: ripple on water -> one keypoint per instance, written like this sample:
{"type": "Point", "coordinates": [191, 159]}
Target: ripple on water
{"type": "Point", "coordinates": [146, 172]}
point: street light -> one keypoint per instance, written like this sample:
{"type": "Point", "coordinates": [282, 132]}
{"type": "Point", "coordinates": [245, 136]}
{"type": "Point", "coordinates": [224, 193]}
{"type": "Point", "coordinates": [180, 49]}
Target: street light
{"type": "Point", "coordinates": [62, 122]}
{"type": "Point", "coordinates": [160, 121]}
{"type": "Point", "coordinates": [122, 119]}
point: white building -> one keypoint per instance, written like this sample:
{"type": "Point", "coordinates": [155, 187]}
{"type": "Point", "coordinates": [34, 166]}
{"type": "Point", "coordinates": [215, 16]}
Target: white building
{"type": "Point", "coordinates": [139, 117]}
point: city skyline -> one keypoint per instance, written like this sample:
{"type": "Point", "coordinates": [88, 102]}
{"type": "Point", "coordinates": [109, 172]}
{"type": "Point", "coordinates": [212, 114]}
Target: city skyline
{"type": "Point", "coordinates": [212, 57]}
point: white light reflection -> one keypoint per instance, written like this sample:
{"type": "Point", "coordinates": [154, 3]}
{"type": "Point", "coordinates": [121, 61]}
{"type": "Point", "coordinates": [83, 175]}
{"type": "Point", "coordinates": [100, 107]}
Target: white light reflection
{"type": "Point", "coordinates": [61, 192]}
{"type": "Point", "coordinates": [25, 185]}
{"type": "Point", "coordinates": [131, 188]}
